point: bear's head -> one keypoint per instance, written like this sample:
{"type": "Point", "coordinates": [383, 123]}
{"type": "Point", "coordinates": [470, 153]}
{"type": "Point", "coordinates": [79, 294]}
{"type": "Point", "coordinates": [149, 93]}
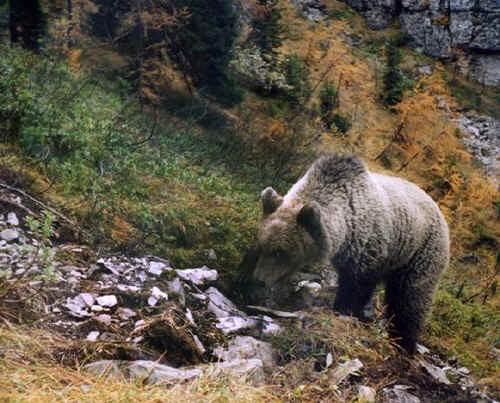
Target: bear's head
{"type": "Point", "coordinates": [290, 238]}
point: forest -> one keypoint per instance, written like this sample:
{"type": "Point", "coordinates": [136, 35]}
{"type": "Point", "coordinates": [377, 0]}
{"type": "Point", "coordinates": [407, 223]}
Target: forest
{"type": "Point", "coordinates": [136, 138]}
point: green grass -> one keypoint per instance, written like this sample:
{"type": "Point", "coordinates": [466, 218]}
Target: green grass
{"type": "Point", "coordinates": [177, 189]}
{"type": "Point", "coordinates": [464, 326]}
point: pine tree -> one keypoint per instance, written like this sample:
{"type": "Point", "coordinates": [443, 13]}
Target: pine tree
{"type": "Point", "coordinates": [203, 45]}
{"type": "Point", "coordinates": [393, 79]}
{"type": "Point", "coordinates": [267, 27]}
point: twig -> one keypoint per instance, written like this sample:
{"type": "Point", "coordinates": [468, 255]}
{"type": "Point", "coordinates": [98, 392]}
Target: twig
{"type": "Point", "coordinates": [279, 314]}
{"type": "Point", "coordinates": [19, 206]}
{"type": "Point", "coordinates": [43, 205]}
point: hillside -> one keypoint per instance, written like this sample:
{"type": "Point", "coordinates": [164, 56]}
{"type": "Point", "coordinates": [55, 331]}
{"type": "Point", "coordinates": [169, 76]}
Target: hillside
{"type": "Point", "coordinates": [149, 131]}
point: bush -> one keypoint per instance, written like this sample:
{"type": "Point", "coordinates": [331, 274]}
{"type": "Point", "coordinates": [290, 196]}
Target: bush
{"type": "Point", "coordinates": [174, 191]}
{"type": "Point", "coordinates": [341, 122]}
{"type": "Point", "coordinates": [328, 103]}
{"type": "Point", "coordinates": [267, 28]}
{"type": "Point", "coordinates": [297, 77]}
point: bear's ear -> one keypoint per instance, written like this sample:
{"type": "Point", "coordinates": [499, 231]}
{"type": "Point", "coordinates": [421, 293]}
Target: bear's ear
{"type": "Point", "coordinates": [271, 200]}
{"type": "Point", "coordinates": [309, 217]}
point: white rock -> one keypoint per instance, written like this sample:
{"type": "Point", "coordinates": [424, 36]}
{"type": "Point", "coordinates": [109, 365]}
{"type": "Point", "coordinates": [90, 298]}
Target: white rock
{"type": "Point", "coordinates": [176, 288]}
{"type": "Point", "coordinates": [12, 219]}
{"type": "Point", "coordinates": [198, 276]}
{"type": "Point", "coordinates": [104, 319]}
{"type": "Point", "coordinates": [220, 305]}
{"type": "Point", "coordinates": [139, 323]}
{"type": "Point", "coordinates": [270, 327]}
{"type": "Point", "coordinates": [199, 345]}
{"type": "Point", "coordinates": [125, 313]}
{"type": "Point", "coordinates": [421, 349]}
{"type": "Point", "coordinates": [93, 336]}
{"type": "Point", "coordinates": [96, 308]}
{"type": "Point", "coordinates": [158, 268]}
{"type": "Point", "coordinates": [189, 316]}
{"type": "Point", "coordinates": [107, 300]}
{"type": "Point", "coordinates": [346, 369]}
{"type": "Point", "coordinates": [437, 373]}
{"type": "Point", "coordinates": [366, 394]}
{"type": "Point", "coordinates": [158, 294]}
{"type": "Point", "coordinates": [76, 307]}
{"type": "Point", "coordinates": [311, 286]}
{"type": "Point", "coordinates": [246, 347]}
{"type": "Point", "coordinates": [152, 301]}
{"type": "Point", "coordinates": [108, 264]}
{"type": "Point", "coordinates": [329, 360]}
{"type": "Point", "coordinates": [231, 324]}
{"type": "Point", "coordinates": [151, 372]}
{"type": "Point", "coordinates": [251, 370]}
{"type": "Point", "coordinates": [127, 288]}
{"type": "Point", "coordinates": [87, 298]}
{"type": "Point", "coordinates": [142, 276]}
{"type": "Point", "coordinates": [9, 234]}
{"type": "Point", "coordinates": [399, 394]}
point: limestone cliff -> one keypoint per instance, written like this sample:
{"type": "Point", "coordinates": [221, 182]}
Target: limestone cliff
{"type": "Point", "coordinates": [446, 29]}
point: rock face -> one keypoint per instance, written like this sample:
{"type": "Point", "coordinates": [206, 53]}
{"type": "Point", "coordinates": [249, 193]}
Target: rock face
{"type": "Point", "coordinates": [256, 70]}
{"type": "Point", "coordinates": [483, 141]}
{"type": "Point", "coordinates": [313, 10]}
{"type": "Point", "coordinates": [440, 27]}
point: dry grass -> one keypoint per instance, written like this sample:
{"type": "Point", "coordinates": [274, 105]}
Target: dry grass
{"type": "Point", "coordinates": [31, 373]}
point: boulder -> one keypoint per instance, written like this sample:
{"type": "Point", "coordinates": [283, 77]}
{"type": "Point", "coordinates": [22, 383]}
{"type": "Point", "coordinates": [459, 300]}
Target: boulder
{"type": "Point", "coordinates": [12, 219]}
{"type": "Point", "coordinates": [151, 372]}
{"type": "Point", "coordinates": [247, 347]}
{"type": "Point", "coordinates": [9, 234]}
{"type": "Point", "coordinates": [366, 394]}
{"type": "Point", "coordinates": [198, 276]}
{"type": "Point", "coordinates": [398, 394]}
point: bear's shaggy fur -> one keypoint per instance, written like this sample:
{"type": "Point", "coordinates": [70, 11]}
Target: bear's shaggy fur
{"type": "Point", "coordinates": [371, 227]}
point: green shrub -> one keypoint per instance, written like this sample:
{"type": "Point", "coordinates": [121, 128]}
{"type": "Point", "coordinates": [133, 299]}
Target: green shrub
{"type": "Point", "coordinates": [297, 77]}
{"type": "Point", "coordinates": [182, 189]}
{"type": "Point", "coordinates": [267, 29]}
{"type": "Point", "coordinates": [328, 103]}
{"type": "Point", "coordinates": [341, 122]}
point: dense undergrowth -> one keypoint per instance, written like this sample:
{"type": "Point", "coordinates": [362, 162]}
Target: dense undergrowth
{"type": "Point", "coordinates": [146, 183]}
{"type": "Point", "coordinates": [174, 183]}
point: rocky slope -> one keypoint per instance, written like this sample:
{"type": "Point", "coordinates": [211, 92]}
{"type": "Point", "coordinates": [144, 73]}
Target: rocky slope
{"type": "Point", "coordinates": [153, 323]}
{"type": "Point", "coordinates": [468, 30]}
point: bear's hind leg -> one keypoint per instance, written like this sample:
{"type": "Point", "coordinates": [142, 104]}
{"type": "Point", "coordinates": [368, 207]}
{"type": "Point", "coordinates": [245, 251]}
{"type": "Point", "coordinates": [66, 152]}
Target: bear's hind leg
{"type": "Point", "coordinates": [409, 294]}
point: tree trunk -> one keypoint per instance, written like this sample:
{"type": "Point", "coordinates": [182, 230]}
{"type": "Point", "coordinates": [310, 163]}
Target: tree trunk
{"type": "Point", "coordinates": [26, 23]}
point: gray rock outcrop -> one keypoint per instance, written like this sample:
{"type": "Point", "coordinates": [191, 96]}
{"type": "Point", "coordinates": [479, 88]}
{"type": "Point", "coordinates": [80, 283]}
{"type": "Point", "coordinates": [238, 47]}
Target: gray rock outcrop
{"type": "Point", "coordinates": [439, 28]}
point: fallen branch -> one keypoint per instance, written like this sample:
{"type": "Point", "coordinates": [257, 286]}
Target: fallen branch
{"type": "Point", "coordinates": [44, 206]}
{"type": "Point", "coordinates": [19, 206]}
{"type": "Point", "coordinates": [279, 314]}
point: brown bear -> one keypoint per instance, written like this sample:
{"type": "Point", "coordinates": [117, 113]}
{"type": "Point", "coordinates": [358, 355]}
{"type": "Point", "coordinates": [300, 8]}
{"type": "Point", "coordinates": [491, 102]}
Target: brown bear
{"type": "Point", "coordinates": [372, 228]}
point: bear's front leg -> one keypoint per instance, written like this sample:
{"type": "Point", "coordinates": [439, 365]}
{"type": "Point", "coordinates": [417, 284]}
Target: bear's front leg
{"type": "Point", "coordinates": [353, 294]}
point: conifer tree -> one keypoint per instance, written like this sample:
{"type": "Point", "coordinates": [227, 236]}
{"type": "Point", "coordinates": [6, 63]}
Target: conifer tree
{"type": "Point", "coordinates": [393, 79]}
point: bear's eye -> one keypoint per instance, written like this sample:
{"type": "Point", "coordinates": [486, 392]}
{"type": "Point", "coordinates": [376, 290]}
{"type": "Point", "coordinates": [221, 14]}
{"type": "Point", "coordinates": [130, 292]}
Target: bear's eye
{"type": "Point", "coordinates": [279, 253]}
